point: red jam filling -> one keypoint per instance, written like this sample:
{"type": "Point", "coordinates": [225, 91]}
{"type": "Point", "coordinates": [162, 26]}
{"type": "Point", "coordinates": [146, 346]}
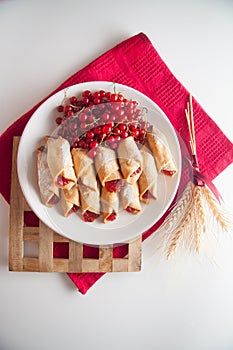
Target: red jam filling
{"type": "Point", "coordinates": [147, 195]}
{"type": "Point", "coordinates": [136, 172]}
{"type": "Point", "coordinates": [74, 209]}
{"type": "Point", "coordinates": [54, 199]}
{"type": "Point", "coordinates": [112, 216]}
{"type": "Point", "coordinates": [168, 172]}
{"type": "Point", "coordinates": [62, 181]}
{"type": "Point", "coordinates": [131, 210]}
{"type": "Point", "coordinates": [88, 216]}
{"type": "Point", "coordinates": [114, 185]}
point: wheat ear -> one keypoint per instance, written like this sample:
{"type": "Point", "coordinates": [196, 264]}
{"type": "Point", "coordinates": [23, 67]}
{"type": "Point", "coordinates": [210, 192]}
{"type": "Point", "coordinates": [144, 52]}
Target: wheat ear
{"type": "Point", "coordinates": [200, 218]}
{"type": "Point", "coordinates": [180, 206]}
{"type": "Point", "coordinates": [182, 226]}
{"type": "Point", "coordinates": [216, 210]}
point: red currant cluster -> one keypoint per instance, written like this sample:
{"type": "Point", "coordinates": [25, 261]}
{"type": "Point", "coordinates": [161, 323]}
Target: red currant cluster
{"type": "Point", "coordinates": [98, 117]}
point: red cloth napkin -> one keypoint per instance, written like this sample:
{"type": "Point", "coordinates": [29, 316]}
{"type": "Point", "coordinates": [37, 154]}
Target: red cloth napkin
{"type": "Point", "coordinates": [135, 63]}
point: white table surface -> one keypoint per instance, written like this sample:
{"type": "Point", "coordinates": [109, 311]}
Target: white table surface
{"type": "Point", "coordinates": [183, 304]}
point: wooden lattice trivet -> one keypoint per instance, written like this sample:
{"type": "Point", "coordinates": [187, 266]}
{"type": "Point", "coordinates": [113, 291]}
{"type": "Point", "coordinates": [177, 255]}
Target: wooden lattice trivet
{"type": "Point", "coordinates": [20, 234]}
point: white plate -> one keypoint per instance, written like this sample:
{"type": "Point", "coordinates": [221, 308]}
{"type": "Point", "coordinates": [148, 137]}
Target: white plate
{"type": "Point", "coordinates": [127, 226]}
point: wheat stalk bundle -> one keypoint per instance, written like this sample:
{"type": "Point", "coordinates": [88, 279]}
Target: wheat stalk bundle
{"type": "Point", "coordinates": [199, 209]}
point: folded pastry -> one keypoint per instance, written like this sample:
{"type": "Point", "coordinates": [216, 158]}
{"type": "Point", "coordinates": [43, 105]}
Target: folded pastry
{"type": "Point", "coordinates": [90, 203]}
{"type": "Point", "coordinates": [130, 159]}
{"type": "Point", "coordinates": [84, 168]}
{"type": "Point", "coordinates": [48, 191]}
{"type": "Point", "coordinates": [110, 205]}
{"type": "Point", "coordinates": [161, 151]}
{"type": "Point", "coordinates": [148, 179]}
{"type": "Point", "coordinates": [70, 202]}
{"type": "Point", "coordinates": [60, 162]}
{"type": "Point", "coordinates": [130, 198]}
{"type": "Point", "coordinates": [108, 169]}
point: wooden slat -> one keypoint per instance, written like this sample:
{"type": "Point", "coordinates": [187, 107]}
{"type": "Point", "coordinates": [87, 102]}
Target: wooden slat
{"type": "Point", "coordinates": [120, 265]}
{"type": "Point", "coordinates": [58, 238]}
{"type": "Point", "coordinates": [45, 248]}
{"type": "Point", "coordinates": [134, 255]}
{"type": "Point", "coordinates": [105, 259]}
{"type": "Point", "coordinates": [30, 237]}
{"type": "Point", "coordinates": [90, 265]}
{"type": "Point", "coordinates": [31, 230]}
{"type": "Point", "coordinates": [75, 257]}
{"type": "Point", "coordinates": [31, 264]}
{"type": "Point", "coordinates": [16, 217]}
{"type": "Point", "coordinates": [26, 206]}
{"type": "Point", "coordinates": [60, 265]}
{"type": "Point", "coordinates": [30, 234]}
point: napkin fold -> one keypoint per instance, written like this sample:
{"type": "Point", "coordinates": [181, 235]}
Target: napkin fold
{"type": "Point", "coordinates": [135, 63]}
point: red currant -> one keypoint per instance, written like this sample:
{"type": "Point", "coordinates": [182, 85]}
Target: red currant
{"type": "Point", "coordinates": [122, 127]}
{"type": "Point", "coordinates": [112, 120]}
{"type": "Point", "coordinates": [94, 144]}
{"type": "Point", "coordinates": [70, 114]}
{"type": "Point", "coordinates": [105, 116]}
{"type": "Point", "coordinates": [135, 133]}
{"type": "Point", "coordinates": [73, 125]}
{"type": "Point", "coordinates": [117, 138]}
{"type": "Point", "coordinates": [101, 137]}
{"type": "Point", "coordinates": [102, 93]}
{"type": "Point", "coordinates": [67, 108]}
{"type": "Point", "coordinates": [83, 125]}
{"type": "Point", "coordinates": [86, 93]}
{"type": "Point", "coordinates": [82, 117]}
{"type": "Point", "coordinates": [132, 127]}
{"type": "Point", "coordinates": [96, 101]}
{"type": "Point", "coordinates": [81, 143]}
{"type": "Point", "coordinates": [142, 132]}
{"type": "Point", "coordinates": [145, 125]}
{"type": "Point", "coordinates": [120, 97]}
{"type": "Point", "coordinates": [60, 108]}
{"type": "Point", "coordinates": [108, 94]}
{"type": "Point", "coordinates": [121, 118]}
{"type": "Point", "coordinates": [73, 100]}
{"type": "Point", "coordinates": [141, 137]}
{"type": "Point", "coordinates": [58, 120]}
{"type": "Point", "coordinates": [110, 138]}
{"type": "Point", "coordinates": [116, 131]}
{"type": "Point", "coordinates": [113, 98]}
{"type": "Point", "coordinates": [92, 153]}
{"type": "Point", "coordinates": [96, 94]}
{"type": "Point", "coordinates": [90, 134]}
{"type": "Point", "coordinates": [121, 112]}
{"type": "Point", "coordinates": [90, 118]}
{"type": "Point", "coordinates": [107, 129]}
{"type": "Point", "coordinates": [97, 130]}
{"type": "Point", "coordinates": [85, 100]}
{"type": "Point", "coordinates": [124, 134]}
{"type": "Point", "coordinates": [115, 107]}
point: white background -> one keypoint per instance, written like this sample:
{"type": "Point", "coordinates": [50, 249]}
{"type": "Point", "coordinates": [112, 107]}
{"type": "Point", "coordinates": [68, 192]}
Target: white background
{"type": "Point", "coordinates": [182, 304]}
